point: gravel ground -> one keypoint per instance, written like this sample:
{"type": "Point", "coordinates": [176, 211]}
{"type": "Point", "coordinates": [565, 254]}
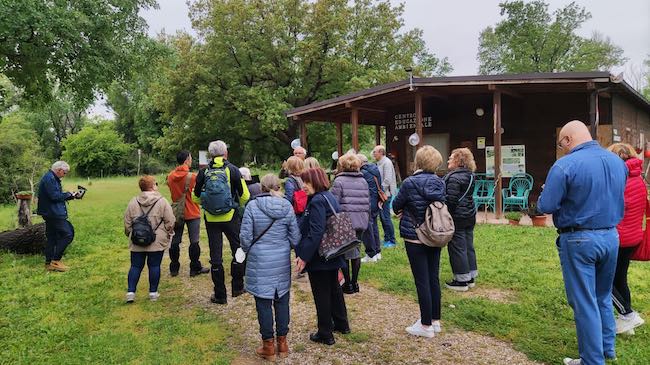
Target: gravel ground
{"type": "Point", "coordinates": [377, 320]}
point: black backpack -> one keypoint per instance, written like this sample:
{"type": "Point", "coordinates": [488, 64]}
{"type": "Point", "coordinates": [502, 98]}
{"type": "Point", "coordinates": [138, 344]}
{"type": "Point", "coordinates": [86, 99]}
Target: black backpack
{"type": "Point", "coordinates": [142, 234]}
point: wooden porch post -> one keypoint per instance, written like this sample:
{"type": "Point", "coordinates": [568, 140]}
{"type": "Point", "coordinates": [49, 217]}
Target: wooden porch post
{"type": "Point", "coordinates": [593, 114]}
{"type": "Point", "coordinates": [377, 135]}
{"type": "Point", "coordinates": [498, 198]}
{"type": "Point", "coordinates": [303, 134]}
{"type": "Point", "coordinates": [354, 120]}
{"type": "Point", "coordinates": [339, 138]}
{"type": "Point", "coordinates": [418, 117]}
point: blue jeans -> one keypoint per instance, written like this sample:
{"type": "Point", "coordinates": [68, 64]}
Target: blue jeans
{"type": "Point", "coordinates": [387, 222]}
{"type": "Point", "coordinates": [425, 266]}
{"type": "Point", "coordinates": [588, 260]}
{"type": "Point", "coordinates": [59, 233]}
{"type": "Point", "coordinates": [371, 236]}
{"type": "Point", "coordinates": [265, 309]}
{"type": "Point", "coordinates": [138, 259]}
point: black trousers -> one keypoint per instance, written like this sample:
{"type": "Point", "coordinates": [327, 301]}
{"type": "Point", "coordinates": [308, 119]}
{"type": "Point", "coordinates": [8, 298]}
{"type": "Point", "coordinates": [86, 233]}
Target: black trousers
{"type": "Point", "coordinates": [330, 305]}
{"type": "Point", "coordinates": [215, 231]}
{"type": "Point", "coordinates": [425, 266]}
{"type": "Point", "coordinates": [462, 255]}
{"type": "Point", "coordinates": [194, 230]}
{"type": "Point", "coordinates": [621, 297]}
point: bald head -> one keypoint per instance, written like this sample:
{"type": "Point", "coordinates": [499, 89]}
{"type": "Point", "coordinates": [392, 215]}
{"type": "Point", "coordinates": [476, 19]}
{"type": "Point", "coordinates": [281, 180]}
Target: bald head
{"type": "Point", "coordinates": [572, 135]}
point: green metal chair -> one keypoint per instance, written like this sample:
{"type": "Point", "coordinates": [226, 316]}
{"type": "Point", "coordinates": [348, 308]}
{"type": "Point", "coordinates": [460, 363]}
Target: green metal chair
{"type": "Point", "coordinates": [524, 175]}
{"type": "Point", "coordinates": [516, 195]}
{"type": "Point", "coordinates": [484, 193]}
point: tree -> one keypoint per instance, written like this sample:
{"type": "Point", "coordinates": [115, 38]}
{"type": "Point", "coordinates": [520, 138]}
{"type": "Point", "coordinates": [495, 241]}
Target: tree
{"type": "Point", "coordinates": [256, 59]}
{"type": "Point", "coordinates": [96, 150]}
{"type": "Point", "coordinates": [530, 39]}
{"type": "Point", "coordinates": [137, 118]}
{"type": "Point", "coordinates": [19, 156]}
{"type": "Point", "coordinates": [646, 89]}
{"type": "Point", "coordinates": [80, 46]}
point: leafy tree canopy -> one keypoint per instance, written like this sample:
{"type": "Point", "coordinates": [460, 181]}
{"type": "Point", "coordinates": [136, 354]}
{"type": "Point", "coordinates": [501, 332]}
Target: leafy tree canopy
{"type": "Point", "coordinates": [19, 156]}
{"type": "Point", "coordinates": [256, 59]}
{"type": "Point", "coordinates": [81, 46]}
{"type": "Point", "coordinates": [530, 39]}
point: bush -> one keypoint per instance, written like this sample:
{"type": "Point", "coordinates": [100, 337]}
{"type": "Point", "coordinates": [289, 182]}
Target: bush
{"type": "Point", "coordinates": [96, 150]}
{"type": "Point", "coordinates": [513, 216]}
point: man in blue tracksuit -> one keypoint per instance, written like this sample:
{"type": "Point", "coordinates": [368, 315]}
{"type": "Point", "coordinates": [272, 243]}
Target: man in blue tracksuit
{"type": "Point", "coordinates": [584, 192]}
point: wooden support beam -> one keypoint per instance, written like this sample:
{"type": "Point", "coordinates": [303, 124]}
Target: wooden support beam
{"type": "Point", "coordinates": [368, 108]}
{"type": "Point", "coordinates": [505, 90]}
{"type": "Point", "coordinates": [339, 138]}
{"type": "Point", "coordinates": [377, 135]}
{"type": "Point", "coordinates": [418, 117]}
{"type": "Point", "coordinates": [498, 198]}
{"type": "Point", "coordinates": [593, 114]}
{"type": "Point", "coordinates": [303, 134]}
{"type": "Point", "coordinates": [354, 121]}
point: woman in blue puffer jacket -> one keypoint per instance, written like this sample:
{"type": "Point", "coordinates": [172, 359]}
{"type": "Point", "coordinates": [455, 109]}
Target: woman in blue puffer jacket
{"type": "Point", "coordinates": [270, 220]}
{"type": "Point", "coordinates": [415, 195]}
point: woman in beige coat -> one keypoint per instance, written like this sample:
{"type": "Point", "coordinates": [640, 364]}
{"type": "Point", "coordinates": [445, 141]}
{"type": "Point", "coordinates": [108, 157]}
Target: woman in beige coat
{"type": "Point", "coordinates": [148, 207]}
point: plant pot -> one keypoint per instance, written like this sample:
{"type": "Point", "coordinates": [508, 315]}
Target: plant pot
{"type": "Point", "coordinates": [513, 222]}
{"type": "Point", "coordinates": [538, 220]}
{"type": "Point", "coordinates": [24, 196]}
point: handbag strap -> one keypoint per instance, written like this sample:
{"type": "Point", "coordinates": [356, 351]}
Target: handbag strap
{"type": "Point", "coordinates": [471, 180]}
{"type": "Point", "coordinates": [330, 204]}
{"type": "Point", "coordinates": [261, 234]}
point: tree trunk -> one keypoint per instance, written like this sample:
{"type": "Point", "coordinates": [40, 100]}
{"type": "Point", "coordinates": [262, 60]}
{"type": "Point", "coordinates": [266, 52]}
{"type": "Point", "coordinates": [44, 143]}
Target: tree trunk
{"type": "Point", "coordinates": [28, 240]}
{"type": "Point", "coordinates": [24, 213]}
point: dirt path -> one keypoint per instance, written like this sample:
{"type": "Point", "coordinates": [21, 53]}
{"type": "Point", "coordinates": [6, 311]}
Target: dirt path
{"type": "Point", "coordinates": [377, 320]}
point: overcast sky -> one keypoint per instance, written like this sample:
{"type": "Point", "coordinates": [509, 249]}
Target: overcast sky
{"type": "Point", "coordinates": [451, 28]}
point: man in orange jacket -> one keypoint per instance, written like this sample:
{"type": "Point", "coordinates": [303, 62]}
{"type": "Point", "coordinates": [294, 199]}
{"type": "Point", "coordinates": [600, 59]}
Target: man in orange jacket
{"type": "Point", "coordinates": [182, 180]}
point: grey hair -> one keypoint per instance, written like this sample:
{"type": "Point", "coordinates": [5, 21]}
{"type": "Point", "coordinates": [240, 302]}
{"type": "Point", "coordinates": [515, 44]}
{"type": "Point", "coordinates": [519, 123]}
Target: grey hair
{"type": "Point", "coordinates": [245, 173]}
{"type": "Point", "coordinates": [362, 157]}
{"type": "Point", "coordinates": [217, 148]}
{"type": "Point", "coordinates": [380, 149]}
{"type": "Point", "coordinates": [61, 165]}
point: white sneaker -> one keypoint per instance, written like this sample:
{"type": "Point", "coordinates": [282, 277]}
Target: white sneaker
{"type": "Point", "coordinates": [437, 328]}
{"type": "Point", "coordinates": [628, 322]}
{"type": "Point", "coordinates": [154, 296]}
{"type": "Point", "coordinates": [377, 256]}
{"type": "Point", "coordinates": [367, 259]}
{"type": "Point", "coordinates": [570, 361]}
{"type": "Point", "coordinates": [130, 297]}
{"type": "Point", "coordinates": [416, 329]}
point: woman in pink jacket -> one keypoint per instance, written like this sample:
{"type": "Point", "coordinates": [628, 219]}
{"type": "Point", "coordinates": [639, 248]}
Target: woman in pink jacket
{"type": "Point", "coordinates": [630, 231]}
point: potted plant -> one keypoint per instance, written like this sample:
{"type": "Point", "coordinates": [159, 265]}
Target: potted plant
{"type": "Point", "coordinates": [23, 195]}
{"type": "Point", "coordinates": [514, 217]}
{"type": "Point", "coordinates": [538, 218]}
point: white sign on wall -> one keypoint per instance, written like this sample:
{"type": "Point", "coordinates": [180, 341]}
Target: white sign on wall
{"type": "Point", "coordinates": [203, 158]}
{"type": "Point", "coordinates": [513, 160]}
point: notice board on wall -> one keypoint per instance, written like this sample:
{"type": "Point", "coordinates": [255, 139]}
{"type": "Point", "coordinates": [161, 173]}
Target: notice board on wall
{"type": "Point", "coordinates": [513, 160]}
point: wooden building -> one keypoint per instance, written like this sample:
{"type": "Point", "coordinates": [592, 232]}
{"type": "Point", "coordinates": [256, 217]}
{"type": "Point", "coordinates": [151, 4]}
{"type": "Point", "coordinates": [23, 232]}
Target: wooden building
{"type": "Point", "coordinates": [469, 111]}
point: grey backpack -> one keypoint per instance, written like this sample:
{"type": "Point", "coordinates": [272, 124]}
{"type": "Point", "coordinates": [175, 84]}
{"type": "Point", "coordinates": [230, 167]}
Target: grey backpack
{"type": "Point", "coordinates": [438, 226]}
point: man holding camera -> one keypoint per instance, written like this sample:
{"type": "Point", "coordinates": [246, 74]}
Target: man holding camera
{"type": "Point", "coordinates": [51, 206]}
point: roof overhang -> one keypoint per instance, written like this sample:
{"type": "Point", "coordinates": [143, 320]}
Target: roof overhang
{"type": "Point", "coordinates": [438, 86]}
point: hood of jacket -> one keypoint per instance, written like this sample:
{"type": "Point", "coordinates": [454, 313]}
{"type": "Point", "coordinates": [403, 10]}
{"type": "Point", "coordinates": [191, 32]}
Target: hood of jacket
{"type": "Point", "coordinates": [634, 166]}
{"type": "Point", "coordinates": [273, 207]}
{"type": "Point", "coordinates": [179, 173]}
{"type": "Point", "coordinates": [147, 198]}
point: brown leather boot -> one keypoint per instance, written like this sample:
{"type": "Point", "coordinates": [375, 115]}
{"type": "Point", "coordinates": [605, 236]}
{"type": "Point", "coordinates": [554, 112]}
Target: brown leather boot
{"type": "Point", "coordinates": [267, 350]}
{"type": "Point", "coordinates": [283, 346]}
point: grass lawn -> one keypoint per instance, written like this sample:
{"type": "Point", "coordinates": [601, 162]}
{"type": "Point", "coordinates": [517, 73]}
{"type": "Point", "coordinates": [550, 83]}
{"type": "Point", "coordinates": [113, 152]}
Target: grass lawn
{"type": "Point", "coordinates": [79, 317]}
{"type": "Point", "coordinates": [523, 263]}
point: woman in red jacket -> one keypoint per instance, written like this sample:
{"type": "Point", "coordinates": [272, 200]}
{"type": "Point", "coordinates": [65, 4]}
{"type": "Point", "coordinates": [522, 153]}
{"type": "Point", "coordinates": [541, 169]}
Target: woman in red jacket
{"type": "Point", "coordinates": [630, 231]}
